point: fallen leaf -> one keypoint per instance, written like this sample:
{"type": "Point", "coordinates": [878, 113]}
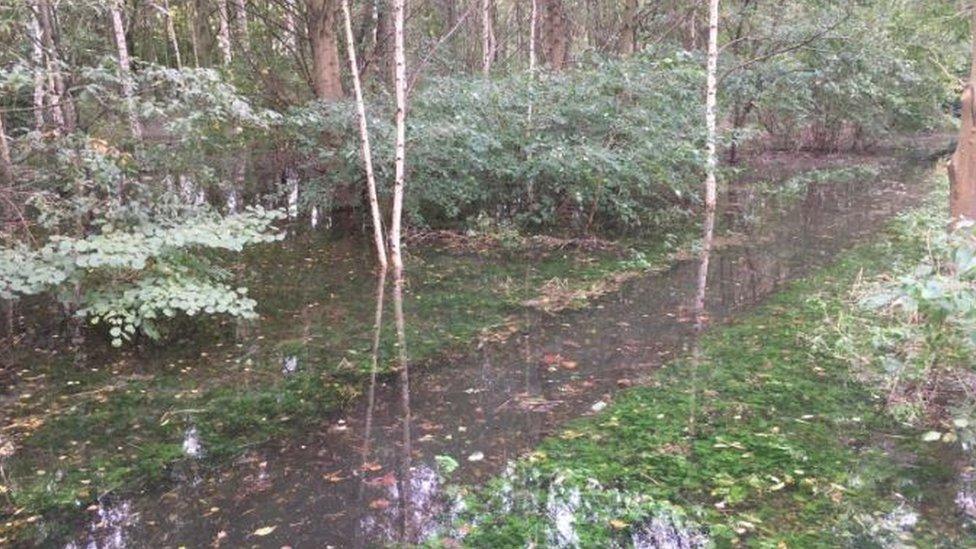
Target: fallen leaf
{"type": "Point", "coordinates": [264, 531]}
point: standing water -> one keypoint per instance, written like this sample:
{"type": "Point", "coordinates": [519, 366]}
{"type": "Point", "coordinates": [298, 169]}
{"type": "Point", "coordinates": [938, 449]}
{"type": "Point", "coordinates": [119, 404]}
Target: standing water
{"type": "Point", "coordinates": [371, 476]}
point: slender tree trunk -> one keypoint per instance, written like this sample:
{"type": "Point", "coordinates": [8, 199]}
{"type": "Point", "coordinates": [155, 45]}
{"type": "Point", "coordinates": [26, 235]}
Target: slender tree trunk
{"type": "Point", "coordinates": [6, 164]}
{"type": "Point", "coordinates": [223, 32]}
{"type": "Point", "coordinates": [711, 136]}
{"type": "Point", "coordinates": [125, 71]}
{"type": "Point", "coordinates": [533, 33]}
{"type": "Point", "coordinates": [37, 62]}
{"type": "Point", "coordinates": [628, 33]}
{"type": "Point", "coordinates": [962, 166]}
{"type": "Point", "coordinates": [171, 33]}
{"type": "Point", "coordinates": [487, 37]}
{"type": "Point", "coordinates": [400, 83]}
{"type": "Point", "coordinates": [326, 80]}
{"type": "Point", "coordinates": [374, 207]}
{"type": "Point", "coordinates": [61, 105]}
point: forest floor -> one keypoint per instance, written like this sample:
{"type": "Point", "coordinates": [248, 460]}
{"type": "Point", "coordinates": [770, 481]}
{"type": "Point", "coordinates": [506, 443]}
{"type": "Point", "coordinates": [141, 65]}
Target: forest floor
{"type": "Point", "coordinates": [782, 429]}
{"type": "Point", "coordinates": [81, 423]}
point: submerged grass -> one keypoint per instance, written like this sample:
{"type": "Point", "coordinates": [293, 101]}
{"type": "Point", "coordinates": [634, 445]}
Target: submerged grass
{"type": "Point", "coordinates": [759, 438]}
{"type": "Point", "coordinates": [87, 424]}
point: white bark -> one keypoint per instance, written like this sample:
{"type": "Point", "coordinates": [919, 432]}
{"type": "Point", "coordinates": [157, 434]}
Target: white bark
{"type": "Point", "coordinates": [223, 32]}
{"type": "Point", "coordinates": [487, 38]}
{"type": "Point", "coordinates": [37, 62]}
{"type": "Point", "coordinates": [6, 165]}
{"type": "Point", "coordinates": [365, 148]}
{"type": "Point", "coordinates": [125, 71]}
{"type": "Point", "coordinates": [711, 136]}
{"type": "Point", "coordinates": [400, 82]}
{"type": "Point", "coordinates": [533, 25]}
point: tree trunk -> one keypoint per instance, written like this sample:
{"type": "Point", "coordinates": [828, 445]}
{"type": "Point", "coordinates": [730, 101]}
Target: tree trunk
{"type": "Point", "coordinates": [171, 33]}
{"type": "Point", "coordinates": [962, 166]}
{"type": "Point", "coordinates": [37, 62]}
{"type": "Point", "coordinates": [487, 37]}
{"type": "Point", "coordinates": [400, 83]}
{"type": "Point", "coordinates": [223, 33]}
{"type": "Point", "coordinates": [711, 136]}
{"type": "Point", "coordinates": [125, 72]}
{"type": "Point", "coordinates": [240, 24]}
{"type": "Point", "coordinates": [326, 80]}
{"type": "Point", "coordinates": [628, 32]}
{"type": "Point", "coordinates": [60, 101]}
{"type": "Point", "coordinates": [365, 149]}
{"type": "Point", "coordinates": [6, 164]}
{"type": "Point", "coordinates": [533, 34]}
{"type": "Point", "coordinates": [555, 33]}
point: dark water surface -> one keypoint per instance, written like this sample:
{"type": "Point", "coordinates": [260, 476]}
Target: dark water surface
{"type": "Point", "coordinates": [370, 476]}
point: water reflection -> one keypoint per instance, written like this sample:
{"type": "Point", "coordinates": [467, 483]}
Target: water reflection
{"type": "Point", "coordinates": [368, 479]}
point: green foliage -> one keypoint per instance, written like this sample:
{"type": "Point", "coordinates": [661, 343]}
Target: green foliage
{"type": "Point", "coordinates": [613, 145]}
{"type": "Point", "coordinates": [137, 275]}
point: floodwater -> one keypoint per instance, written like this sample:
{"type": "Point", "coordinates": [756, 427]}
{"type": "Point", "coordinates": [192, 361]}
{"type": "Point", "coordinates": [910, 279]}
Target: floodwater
{"type": "Point", "coordinates": [371, 475]}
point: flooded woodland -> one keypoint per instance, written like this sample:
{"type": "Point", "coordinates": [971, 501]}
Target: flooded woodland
{"type": "Point", "coordinates": [541, 273]}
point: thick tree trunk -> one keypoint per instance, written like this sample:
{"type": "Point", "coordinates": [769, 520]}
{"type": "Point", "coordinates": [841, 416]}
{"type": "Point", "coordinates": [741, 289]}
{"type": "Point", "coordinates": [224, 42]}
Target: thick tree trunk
{"type": "Point", "coordinates": [555, 33]}
{"type": "Point", "coordinates": [365, 149]}
{"type": "Point", "coordinates": [326, 80]}
{"type": "Point", "coordinates": [962, 166]}
{"type": "Point", "coordinates": [125, 72]}
{"type": "Point", "coordinates": [400, 83]}
{"type": "Point", "coordinates": [628, 31]}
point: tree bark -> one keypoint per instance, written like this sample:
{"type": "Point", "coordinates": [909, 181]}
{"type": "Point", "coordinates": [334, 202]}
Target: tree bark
{"type": "Point", "coordinates": [6, 164]}
{"type": "Point", "coordinates": [223, 33]}
{"type": "Point", "coordinates": [365, 148]}
{"type": "Point", "coordinates": [326, 80]}
{"type": "Point", "coordinates": [628, 31]}
{"type": "Point", "coordinates": [488, 44]}
{"type": "Point", "coordinates": [400, 83]}
{"type": "Point", "coordinates": [37, 61]}
{"type": "Point", "coordinates": [60, 101]}
{"type": "Point", "coordinates": [125, 72]}
{"type": "Point", "coordinates": [171, 33]}
{"type": "Point", "coordinates": [240, 24]}
{"type": "Point", "coordinates": [555, 33]}
{"type": "Point", "coordinates": [962, 166]}
{"type": "Point", "coordinates": [711, 133]}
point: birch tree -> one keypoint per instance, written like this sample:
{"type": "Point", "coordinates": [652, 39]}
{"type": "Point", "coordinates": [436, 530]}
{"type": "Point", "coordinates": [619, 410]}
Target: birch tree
{"type": "Point", "coordinates": [365, 148]}
{"type": "Point", "coordinates": [37, 65]}
{"type": "Point", "coordinates": [125, 72]}
{"type": "Point", "coordinates": [962, 166]}
{"type": "Point", "coordinates": [711, 137]}
{"type": "Point", "coordinates": [487, 37]}
{"type": "Point", "coordinates": [400, 83]}
{"type": "Point", "coordinates": [223, 32]}
{"type": "Point", "coordinates": [6, 164]}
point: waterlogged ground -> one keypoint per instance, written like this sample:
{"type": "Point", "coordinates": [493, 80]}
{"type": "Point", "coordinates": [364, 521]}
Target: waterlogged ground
{"type": "Point", "coordinates": [231, 437]}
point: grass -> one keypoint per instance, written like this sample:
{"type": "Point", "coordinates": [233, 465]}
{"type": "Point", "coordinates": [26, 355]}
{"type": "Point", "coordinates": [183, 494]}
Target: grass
{"type": "Point", "coordinates": [761, 438]}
